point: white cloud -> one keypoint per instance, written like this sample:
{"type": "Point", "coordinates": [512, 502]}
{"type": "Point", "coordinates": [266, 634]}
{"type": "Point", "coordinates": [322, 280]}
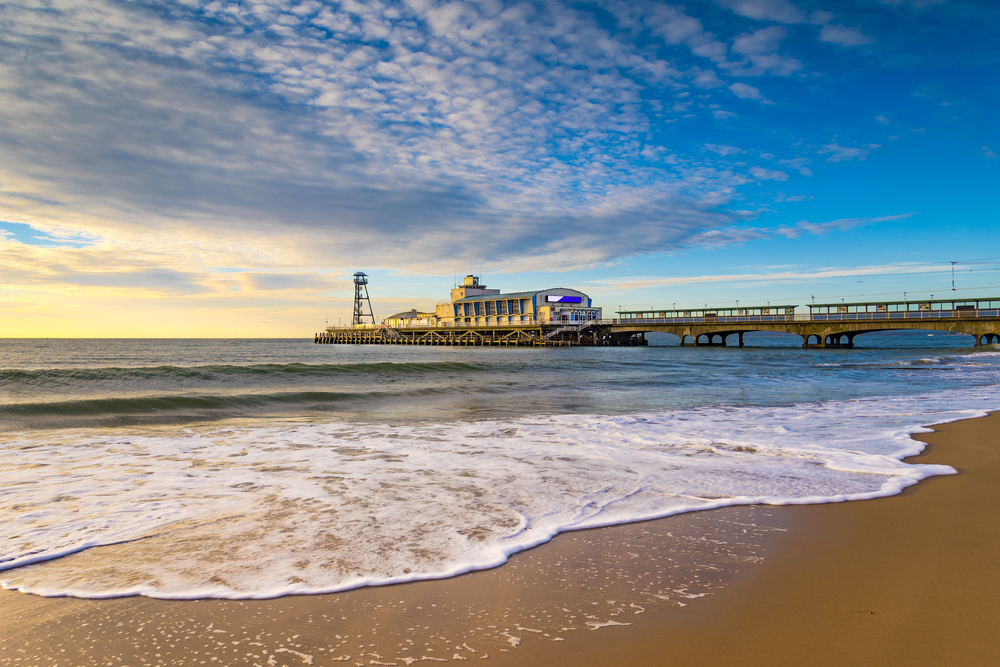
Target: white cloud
{"type": "Point", "coordinates": [782, 198]}
{"type": "Point", "coordinates": [987, 152]}
{"type": "Point", "coordinates": [708, 79]}
{"type": "Point", "coordinates": [919, 4]}
{"type": "Point", "coordinates": [840, 153]}
{"type": "Point", "coordinates": [759, 57]}
{"type": "Point", "coordinates": [844, 36]}
{"type": "Point", "coordinates": [722, 150]}
{"type": "Point", "coordinates": [644, 282]}
{"type": "Point", "coordinates": [781, 11]}
{"type": "Point", "coordinates": [747, 92]}
{"type": "Point", "coordinates": [738, 234]}
{"type": "Point", "coordinates": [799, 163]}
{"type": "Point", "coordinates": [253, 133]}
{"type": "Point", "coordinates": [882, 119]}
{"type": "Point", "coordinates": [765, 40]}
{"type": "Point", "coordinates": [676, 27]}
{"type": "Point", "coordinates": [762, 174]}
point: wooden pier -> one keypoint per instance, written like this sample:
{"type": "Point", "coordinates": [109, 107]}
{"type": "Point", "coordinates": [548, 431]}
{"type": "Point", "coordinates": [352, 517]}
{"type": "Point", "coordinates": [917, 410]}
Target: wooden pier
{"type": "Point", "coordinates": [824, 326]}
{"type": "Point", "coordinates": [530, 335]}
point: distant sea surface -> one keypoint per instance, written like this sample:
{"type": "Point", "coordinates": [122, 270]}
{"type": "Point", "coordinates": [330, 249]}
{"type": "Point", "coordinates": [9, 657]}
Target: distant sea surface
{"type": "Point", "coordinates": [259, 468]}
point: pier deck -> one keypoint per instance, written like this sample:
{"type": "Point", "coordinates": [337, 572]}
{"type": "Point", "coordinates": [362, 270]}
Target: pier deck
{"type": "Point", "coordinates": [826, 325]}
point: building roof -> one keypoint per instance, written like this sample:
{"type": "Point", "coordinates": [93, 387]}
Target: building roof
{"type": "Point", "coordinates": [514, 295]}
{"type": "Point", "coordinates": [409, 315]}
{"type": "Point", "coordinates": [498, 297]}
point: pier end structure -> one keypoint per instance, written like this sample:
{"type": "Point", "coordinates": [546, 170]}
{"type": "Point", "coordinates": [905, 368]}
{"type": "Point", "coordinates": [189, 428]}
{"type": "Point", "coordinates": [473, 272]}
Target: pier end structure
{"type": "Point", "coordinates": [479, 315]}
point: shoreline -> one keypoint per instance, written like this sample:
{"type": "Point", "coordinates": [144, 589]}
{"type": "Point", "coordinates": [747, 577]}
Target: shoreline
{"type": "Point", "coordinates": [739, 585]}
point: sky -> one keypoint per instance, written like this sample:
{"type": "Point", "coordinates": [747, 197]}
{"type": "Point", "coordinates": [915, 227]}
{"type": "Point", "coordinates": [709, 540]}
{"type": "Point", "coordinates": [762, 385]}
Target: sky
{"type": "Point", "coordinates": [221, 169]}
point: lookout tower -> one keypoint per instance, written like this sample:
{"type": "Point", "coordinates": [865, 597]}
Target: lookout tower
{"type": "Point", "coordinates": [360, 300]}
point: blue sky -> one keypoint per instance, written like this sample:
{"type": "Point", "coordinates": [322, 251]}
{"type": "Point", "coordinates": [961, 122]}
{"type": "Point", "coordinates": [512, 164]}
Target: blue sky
{"type": "Point", "coordinates": [224, 167]}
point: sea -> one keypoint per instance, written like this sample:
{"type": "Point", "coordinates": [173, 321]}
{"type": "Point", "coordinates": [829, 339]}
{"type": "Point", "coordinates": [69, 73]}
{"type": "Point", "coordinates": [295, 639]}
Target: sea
{"type": "Point", "coordinates": [240, 469]}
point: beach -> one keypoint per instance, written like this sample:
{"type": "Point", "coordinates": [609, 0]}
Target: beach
{"type": "Point", "coordinates": [909, 579]}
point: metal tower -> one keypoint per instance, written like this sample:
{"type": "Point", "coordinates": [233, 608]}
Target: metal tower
{"type": "Point", "coordinates": [360, 299]}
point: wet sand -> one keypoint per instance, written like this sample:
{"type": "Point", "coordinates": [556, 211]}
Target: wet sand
{"type": "Point", "coordinates": [913, 579]}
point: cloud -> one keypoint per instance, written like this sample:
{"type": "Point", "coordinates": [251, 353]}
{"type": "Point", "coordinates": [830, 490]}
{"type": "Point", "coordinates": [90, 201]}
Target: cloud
{"type": "Point", "coordinates": [987, 152]}
{"type": "Point", "coordinates": [918, 4]}
{"type": "Point", "coordinates": [781, 11]}
{"type": "Point", "coordinates": [276, 138]}
{"type": "Point", "coordinates": [762, 174]}
{"type": "Point", "coordinates": [844, 36]}
{"type": "Point", "coordinates": [798, 163]}
{"type": "Point", "coordinates": [738, 234]}
{"type": "Point", "coordinates": [882, 119]}
{"type": "Point", "coordinates": [759, 57]}
{"type": "Point", "coordinates": [708, 79]}
{"type": "Point", "coordinates": [840, 153]}
{"type": "Point", "coordinates": [748, 92]}
{"type": "Point", "coordinates": [765, 40]}
{"type": "Point", "coordinates": [644, 282]}
{"type": "Point", "coordinates": [310, 135]}
{"type": "Point", "coordinates": [722, 150]}
{"type": "Point", "coordinates": [676, 27]}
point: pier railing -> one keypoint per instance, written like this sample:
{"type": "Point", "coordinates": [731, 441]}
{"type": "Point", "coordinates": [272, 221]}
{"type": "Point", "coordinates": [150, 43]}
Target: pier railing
{"type": "Point", "coordinates": [913, 315]}
{"type": "Point", "coordinates": [533, 322]}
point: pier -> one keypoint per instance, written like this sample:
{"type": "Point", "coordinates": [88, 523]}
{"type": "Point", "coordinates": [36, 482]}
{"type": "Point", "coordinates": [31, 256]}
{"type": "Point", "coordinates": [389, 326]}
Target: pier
{"type": "Point", "coordinates": [478, 316]}
{"type": "Point", "coordinates": [827, 325]}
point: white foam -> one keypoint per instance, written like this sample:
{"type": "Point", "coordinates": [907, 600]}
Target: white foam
{"type": "Point", "coordinates": [263, 511]}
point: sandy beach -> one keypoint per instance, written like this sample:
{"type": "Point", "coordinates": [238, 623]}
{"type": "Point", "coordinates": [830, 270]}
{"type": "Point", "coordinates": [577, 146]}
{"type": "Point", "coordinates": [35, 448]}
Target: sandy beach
{"type": "Point", "coordinates": [913, 579]}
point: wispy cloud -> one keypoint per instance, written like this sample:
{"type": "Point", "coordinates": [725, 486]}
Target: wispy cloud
{"type": "Point", "coordinates": [782, 11]}
{"type": "Point", "coordinates": [844, 36]}
{"type": "Point", "coordinates": [284, 136]}
{"type": "Point", "coordinates": [738, 234]}
{"type": "Point", "coordinates": [373, 122]}
{"type": "Point", "coordinates": [838, 153]}
{"type": "Point", "coordinates": [762, 174]}
{"type": "Point", "coordinates": [800, 276]}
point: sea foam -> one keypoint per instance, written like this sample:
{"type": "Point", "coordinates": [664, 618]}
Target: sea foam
{"type": "Point", "coordinates": [256, 511]}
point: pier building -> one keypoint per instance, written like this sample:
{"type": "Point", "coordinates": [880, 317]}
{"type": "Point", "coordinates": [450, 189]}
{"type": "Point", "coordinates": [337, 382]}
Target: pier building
{"type": "Point", "coordinates": [474, 304]}
{"type": "Point", "coordinates": [479, 315]}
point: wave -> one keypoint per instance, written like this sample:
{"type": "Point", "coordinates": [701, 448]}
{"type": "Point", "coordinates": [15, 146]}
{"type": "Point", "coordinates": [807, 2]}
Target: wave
{"type": "Point", "coordinates": [229, 373]}
{"type": "Point", "coordinates": [171, 408]}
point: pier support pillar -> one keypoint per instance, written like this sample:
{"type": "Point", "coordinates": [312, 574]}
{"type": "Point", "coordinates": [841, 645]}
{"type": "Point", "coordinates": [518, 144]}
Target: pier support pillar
{"type": "Point", "coordinates": [740, 334]}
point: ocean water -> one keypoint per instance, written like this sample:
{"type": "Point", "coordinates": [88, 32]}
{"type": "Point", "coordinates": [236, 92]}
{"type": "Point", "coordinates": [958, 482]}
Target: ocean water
{"type": "Point", "coordinates": [260, 468]}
